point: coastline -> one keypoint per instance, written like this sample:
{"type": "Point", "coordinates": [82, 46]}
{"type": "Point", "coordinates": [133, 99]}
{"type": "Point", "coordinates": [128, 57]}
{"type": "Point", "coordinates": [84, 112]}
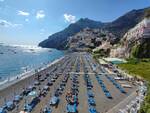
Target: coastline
{"type": "Point", "coordinates": [18, 78]}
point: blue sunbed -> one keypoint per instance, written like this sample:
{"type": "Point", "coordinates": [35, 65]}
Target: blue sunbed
{"type": "Point", "coordinates": [2, 110]}
{"type": "Point", "coordinates": [71, 108]}
{"type": "Point", "coordinates": [54, 100]}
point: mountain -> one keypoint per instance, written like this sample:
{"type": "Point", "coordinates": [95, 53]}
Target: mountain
{"type": "Point", "coordinates": [118, 27]}
{"type": "Point", "coordinates": [59, 40]}
{"type": "Point", "coordinates": [121, 25]}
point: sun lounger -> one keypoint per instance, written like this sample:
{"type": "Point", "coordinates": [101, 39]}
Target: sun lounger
{"type": "Point", "coordinates": [71, 108]}
{"type": "Point", "coordinates": [29, 107]}
{"type": "Point", "coordinates": [54, 101]}
{"type": "Point", "coordinates": [106, 92]}
{"type": "Point", "coordinates": [117, 85]}
{"type": "Point", "coordinates": [10, 105]}
{"type": "Point", "coordinates": [36, 83]}
{"type": "Point", "coordinates": [17, 98]}
{"type": "Point", "coordinates": [2, 110]}
{"type": "Point", "coordinates": [49, 83]}
{"type": "Point", "coordinates": [32, 93]}
{"type": "Point", "coordinates": [90, 93]}
{"type": "Point", "coordinates": [46, 88]}
{"type": "Point", "coordinates": [47, 110]}
{"type": "Point", "coordinates": [92, 109]}
{"type": "Point", "coordinates": [126, 86]}
{"type": "Point", "coordinates": [41, 79]}
{"type": "Point", "coordinates": [91, 101]}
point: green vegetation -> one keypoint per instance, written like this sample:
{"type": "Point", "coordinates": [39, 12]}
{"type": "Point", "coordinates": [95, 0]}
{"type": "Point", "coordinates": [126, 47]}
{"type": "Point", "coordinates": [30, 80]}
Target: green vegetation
{"type": "Point", "coordinates": [135, 51]}
{"type": "Point", "coordinates": [147, 13]}
{"type": "Point", "coordinates": [101, 53]}
{"type": "Point", "coordinates": [102, 35]}
{"type": "Point", "coordinates": [137, 67]}
{"type": "Point", "coordinates": [142, 68]}
{"type": "Point", "coordinates": [146, 105]}
{"type": "Point", "coordinates": [89, 50]}
{"type": "Point", "coordinates": [141, 50]}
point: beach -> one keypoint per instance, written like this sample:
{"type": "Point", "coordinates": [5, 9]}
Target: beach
{"type": "Point", "coordinates": [16, 85]}
{"type": "Point", "coordinates": [72, 66]}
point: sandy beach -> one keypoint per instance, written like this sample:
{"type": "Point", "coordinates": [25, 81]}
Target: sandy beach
{"type": "Point", "coordinates": [61, 68]}
{"type": "Point", "coordinates": [11, 88]}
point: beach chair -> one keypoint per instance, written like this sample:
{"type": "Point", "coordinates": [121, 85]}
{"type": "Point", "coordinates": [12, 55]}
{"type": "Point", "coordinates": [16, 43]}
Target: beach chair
{"type": "Point", "coordinates": [46, 88]}
{"type": "Point", "coordinates": [42, 79]}
{"type": "Point", "coordinates": [91, 101]}
{"type": "Point", "coordinates": [17, 98]}
{"type": "Point", "coordinates": [10, 106]}
{"type": "Point", "coordinates": [54, 101]}
{"type": "Point", "coordinates": [47, 110]}
{"type": "Point", "coordinates": [36, 83]}
{"type": "Point", "coordinates": [108, 95]}
{"type": "Point", "coordinates": [92, 109]}
{"type": "Point", "coordinates": [90, 93]}
{"type": "Point", "coordinates": [52, 80]}
{"type": "Point", "coordinates": [43, 93]}
{"type": "Point", "coordinates": [29, 107]}
{"type": "Point", "coordinates": [31, 88]}
{"type": "Point", "coordinates": [49, 83]}
{"type": "Point", "coordinates": [2, 110]}
{"type": "Point", "coordinates": [71, 108]}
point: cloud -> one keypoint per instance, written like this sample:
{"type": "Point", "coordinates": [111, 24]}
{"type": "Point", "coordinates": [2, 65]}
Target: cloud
{"type": "Point", "coordinates": [69, 18]}
{"type": "Point", "coordinates": [27, 20]}
{"type": "Point", "coordinates": [22, 13]}
{"type": "Point", "coordinates": [7, 24]}
{"type": "Point", "coordinates": [40, 14]}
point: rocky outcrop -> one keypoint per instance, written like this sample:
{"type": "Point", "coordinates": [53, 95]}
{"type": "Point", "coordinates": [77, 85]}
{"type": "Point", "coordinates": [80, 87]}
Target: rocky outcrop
{"type": "Point", "coordinates": [90, 39]}
{"type": "Point", "coordinates": [136, 42]}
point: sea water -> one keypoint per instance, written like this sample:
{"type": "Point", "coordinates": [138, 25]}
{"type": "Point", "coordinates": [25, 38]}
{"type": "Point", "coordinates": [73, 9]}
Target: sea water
{"type": "Point", "coordinates": [15, 60]}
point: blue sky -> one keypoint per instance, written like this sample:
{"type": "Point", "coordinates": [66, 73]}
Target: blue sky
{"type": "Point", "coordinates": [31, 21]}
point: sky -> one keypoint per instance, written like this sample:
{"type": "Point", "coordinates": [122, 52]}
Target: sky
{"type": "Point", "coordinates": [31, 21]}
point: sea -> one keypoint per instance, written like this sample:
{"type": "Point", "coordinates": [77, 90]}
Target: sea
{"type": "Point", "coordinates": [18, 59]}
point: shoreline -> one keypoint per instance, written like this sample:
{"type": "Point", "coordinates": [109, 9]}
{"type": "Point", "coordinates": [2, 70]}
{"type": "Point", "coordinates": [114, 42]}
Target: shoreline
{"type": "Point", "coordinates": [18, 78]}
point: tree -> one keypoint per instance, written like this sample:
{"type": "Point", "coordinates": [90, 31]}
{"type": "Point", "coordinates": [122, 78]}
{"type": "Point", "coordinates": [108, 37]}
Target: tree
{"type": "Point", "coordinates": [147, 13]}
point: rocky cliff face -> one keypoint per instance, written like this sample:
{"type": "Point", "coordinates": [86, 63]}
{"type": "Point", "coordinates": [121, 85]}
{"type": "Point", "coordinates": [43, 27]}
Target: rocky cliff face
{"type": "Point", "coordinates": [135, 43]}
{"type": "Point", "coordinates": [90, 39]}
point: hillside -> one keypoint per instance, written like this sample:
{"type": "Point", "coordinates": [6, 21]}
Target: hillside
{"type": "Point", "coordinates": [135, 43]}
{"type": "Point", "coordinates": [121, 25]}
{"type": "Point", "coordinates": [118, 27]}
{"type": "Point", "coordinates": [59, 40]}
{"type": "Point", "coordinates": [88, 39]}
